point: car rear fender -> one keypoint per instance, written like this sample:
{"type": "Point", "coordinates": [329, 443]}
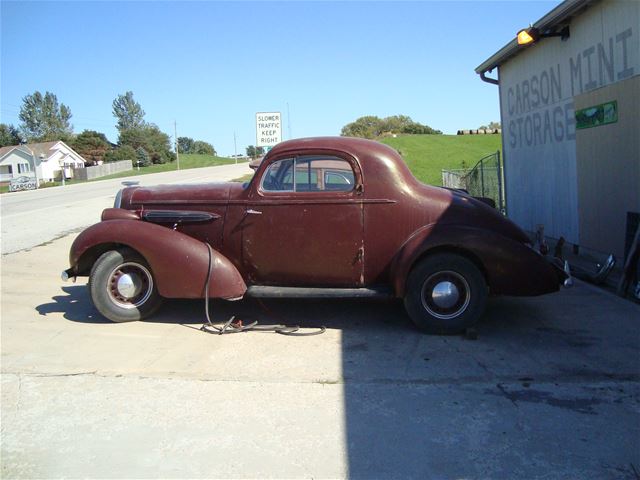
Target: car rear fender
{"type": "Point", "coordinates": [180, 264]}
{"type": "Point", "coordinates": [509, 267]}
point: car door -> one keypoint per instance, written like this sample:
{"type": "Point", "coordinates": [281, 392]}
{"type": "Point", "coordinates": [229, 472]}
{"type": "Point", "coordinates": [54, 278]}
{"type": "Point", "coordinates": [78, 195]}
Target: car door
{"type": "Point", "coordinates": [303, 229]}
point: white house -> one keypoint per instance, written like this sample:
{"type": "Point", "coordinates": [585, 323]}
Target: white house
{"type": "Point", "coordinates": [49, 157]}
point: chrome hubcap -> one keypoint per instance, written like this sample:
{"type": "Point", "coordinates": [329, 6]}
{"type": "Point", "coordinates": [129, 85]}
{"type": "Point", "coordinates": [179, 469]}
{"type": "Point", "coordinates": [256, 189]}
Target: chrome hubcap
{"type": "Point", "coordinates": [445, 295]}
{"type": "Point", "coordinates": [130, 285]}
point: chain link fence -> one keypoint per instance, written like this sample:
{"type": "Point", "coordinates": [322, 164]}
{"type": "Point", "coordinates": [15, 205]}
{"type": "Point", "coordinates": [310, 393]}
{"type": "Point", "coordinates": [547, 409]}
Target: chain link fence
{"type": "Point", "coordinates": [483, 180]}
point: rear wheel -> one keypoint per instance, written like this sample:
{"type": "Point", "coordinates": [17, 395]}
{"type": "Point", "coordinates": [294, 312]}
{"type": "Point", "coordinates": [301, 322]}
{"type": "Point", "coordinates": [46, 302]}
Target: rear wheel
{"type": "Point", "coordinates": [446, 293]}
{"type": "Point", "coordinates": [122, 286]}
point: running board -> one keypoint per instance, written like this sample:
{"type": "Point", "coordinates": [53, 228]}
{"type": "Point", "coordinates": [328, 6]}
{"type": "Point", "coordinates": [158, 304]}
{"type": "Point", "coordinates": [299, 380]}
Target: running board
{"type": "Point", "coordinates": [258, 291]}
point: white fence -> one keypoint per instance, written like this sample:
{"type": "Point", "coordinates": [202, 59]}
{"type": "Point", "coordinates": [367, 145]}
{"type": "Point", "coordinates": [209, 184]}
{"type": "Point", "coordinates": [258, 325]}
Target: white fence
{"type": "Point", "coordinates": [89, 173]}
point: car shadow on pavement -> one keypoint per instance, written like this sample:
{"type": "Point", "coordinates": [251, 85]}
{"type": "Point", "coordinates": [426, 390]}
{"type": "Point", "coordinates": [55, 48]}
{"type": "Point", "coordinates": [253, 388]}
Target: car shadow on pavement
{"type": "Point", "coordinates": [75, 305]}
{"type": "Point", "coordinates": [341, 314]}
{"type": "Point", "coordinates": [354, 314]}
{"type": "Point", "coordinates": [358, 316]}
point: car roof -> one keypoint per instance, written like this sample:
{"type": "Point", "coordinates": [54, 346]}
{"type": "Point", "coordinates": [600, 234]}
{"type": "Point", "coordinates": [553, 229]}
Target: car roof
{"type": "Point", "coordinates": [359, 148]}
{"type": "Point", "coordinates": [386, 172]}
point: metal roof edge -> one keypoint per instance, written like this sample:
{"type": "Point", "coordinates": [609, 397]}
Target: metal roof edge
{"type": "Point", "coordinates": [565, 11]}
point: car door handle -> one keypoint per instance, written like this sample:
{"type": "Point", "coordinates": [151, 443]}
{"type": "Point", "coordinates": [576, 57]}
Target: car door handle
{"type": "Point", "coordinates": [251, 211]}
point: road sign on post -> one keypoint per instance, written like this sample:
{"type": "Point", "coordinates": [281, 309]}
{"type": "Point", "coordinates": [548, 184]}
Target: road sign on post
{"type": "Point", "coordinates": [268, 129]}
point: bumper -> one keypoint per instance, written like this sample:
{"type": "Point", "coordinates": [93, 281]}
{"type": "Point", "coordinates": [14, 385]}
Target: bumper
{"type": "Point", "coordinates": [67, 274]}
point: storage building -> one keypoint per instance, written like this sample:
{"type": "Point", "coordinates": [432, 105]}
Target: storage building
{"type": "Point", "coordinates": [570, 113]}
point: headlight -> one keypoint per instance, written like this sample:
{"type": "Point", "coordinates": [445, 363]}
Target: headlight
{"type": "Point", "coordinates": [118, 200]}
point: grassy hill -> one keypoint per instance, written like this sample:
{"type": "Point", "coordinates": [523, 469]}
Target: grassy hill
{"type": "Point", "coordinates": [192, 160]}
{"type": "Point", "coordinates": [428, 155]}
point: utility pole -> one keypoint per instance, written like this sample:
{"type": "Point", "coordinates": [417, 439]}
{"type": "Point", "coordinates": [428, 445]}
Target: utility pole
{"type": "Point", "coordinates": [235, 147]}
{"type": "Point", "coordinates": [175, 136]}
{"type": "Point", "coordinates": [288, 121]}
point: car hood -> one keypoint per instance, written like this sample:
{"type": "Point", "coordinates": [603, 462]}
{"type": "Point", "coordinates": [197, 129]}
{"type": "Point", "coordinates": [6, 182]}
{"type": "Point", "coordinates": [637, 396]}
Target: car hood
{"type": "Point", "coordinates": [206, 193]}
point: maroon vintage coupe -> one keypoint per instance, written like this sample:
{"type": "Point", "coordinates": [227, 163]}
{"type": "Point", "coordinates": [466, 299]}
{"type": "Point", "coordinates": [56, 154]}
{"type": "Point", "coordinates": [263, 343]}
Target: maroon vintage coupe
{"type": "Point", "coordinates": [321, 217]}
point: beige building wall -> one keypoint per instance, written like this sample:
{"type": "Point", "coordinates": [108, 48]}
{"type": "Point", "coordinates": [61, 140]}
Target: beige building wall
{"type": "Point", "coordinates": [608, 168]}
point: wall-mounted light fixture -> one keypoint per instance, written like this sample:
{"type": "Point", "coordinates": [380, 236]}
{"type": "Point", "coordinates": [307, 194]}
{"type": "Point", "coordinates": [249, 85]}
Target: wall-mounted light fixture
{"type": "Point", "coordinates": [530, 35]}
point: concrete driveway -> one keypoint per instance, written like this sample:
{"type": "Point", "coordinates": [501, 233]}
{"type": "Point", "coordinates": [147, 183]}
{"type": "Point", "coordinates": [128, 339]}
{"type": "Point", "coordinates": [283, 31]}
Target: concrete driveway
{"type": "Point", "coordinates": [550, 389]}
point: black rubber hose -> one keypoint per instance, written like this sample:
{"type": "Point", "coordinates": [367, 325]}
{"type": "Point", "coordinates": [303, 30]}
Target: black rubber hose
{"type": "Point", "coordinates": [231, 327]}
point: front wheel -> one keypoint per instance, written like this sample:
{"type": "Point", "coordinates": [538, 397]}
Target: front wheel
{"type": "Point", "coordinates": [446, 293]}
{"type": "Point", "coordinates": [122, 287]}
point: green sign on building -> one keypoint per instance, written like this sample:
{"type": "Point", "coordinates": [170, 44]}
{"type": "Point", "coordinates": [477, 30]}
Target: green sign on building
{"type": "Point", "coordinates": [598, 115]}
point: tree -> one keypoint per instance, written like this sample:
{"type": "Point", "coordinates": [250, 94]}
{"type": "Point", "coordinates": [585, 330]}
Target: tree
{"type": "Point", "coordinates": [185, 144]}
{"type": "Point", "coordinates": [491, 126]}
{"type": "Point", "coordinates": [396, 123]}
{"type": "Point", "coordinates": [203, 148]}
{"type": "Point", "coordinates": [129, 113]}
{"type": "Point", "coordinates": [189, 145]}
{"type": "Point", "coordinates": [9, 135]}
{"type": "Point", "coordinates": [254, 152]}
{"type": "Point", "coordinates": [121, 153]}
{"type": "Point", "coordinates": [371, 126]}
{"type": "Point", "coordinates": [136, 133]}
{"type": "Point", "coordinates": [155, 142]}
{"type": "Point", "coordinates": [43, 119]}
{"type": "Point", "coordinates": [418, 129]}
{"type": "Point", "coordinates": [364, 127]}
{"type": "Point", "coordinates": [91, 145]}
{"type": "Point", "coordinates": [142, 157]}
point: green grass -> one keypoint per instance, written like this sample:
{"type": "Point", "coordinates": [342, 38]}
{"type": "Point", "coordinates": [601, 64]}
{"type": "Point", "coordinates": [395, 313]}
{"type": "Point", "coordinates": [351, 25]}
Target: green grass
{"type": "Point", "coordinates": [187, 161]}
{"type": "Point", "coordinates": [428, 155]}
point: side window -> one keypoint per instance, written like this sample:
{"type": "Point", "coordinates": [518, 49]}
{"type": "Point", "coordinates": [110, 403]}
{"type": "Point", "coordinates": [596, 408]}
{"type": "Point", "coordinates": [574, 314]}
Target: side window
{"type": "Point", "coordinates": [338, 180]}
{"type": "Point", "coordinates": [279, 176]}
{"type": "Point", "coordinates": [323, 173]}
{"type": "Point", "coordinates": [312, 173]}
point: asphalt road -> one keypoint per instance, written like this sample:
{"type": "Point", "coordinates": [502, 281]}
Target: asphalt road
{"type": "Point", "coordinates": [34, 217]}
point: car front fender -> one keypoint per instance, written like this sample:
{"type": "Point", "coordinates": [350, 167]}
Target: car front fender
{"type": "Point", "coordinates": [180, 264]}
{"type": "Point", "coordinates": [510, 267]}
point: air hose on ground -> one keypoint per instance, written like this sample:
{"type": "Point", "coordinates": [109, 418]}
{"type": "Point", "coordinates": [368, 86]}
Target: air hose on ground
{"type": "Point", "coordinates": [236, 326]}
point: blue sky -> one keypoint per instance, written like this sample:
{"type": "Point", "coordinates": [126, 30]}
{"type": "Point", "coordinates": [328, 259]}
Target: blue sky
{"type": "Point", "coordinates": [211, 66]}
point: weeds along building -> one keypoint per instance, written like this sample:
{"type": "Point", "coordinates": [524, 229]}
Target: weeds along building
{"type": "Point", "coordinates": [570, 112]}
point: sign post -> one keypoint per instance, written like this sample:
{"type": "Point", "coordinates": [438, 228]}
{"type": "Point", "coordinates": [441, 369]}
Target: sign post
{"type": "Point", "coordinates": [268, 129]}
